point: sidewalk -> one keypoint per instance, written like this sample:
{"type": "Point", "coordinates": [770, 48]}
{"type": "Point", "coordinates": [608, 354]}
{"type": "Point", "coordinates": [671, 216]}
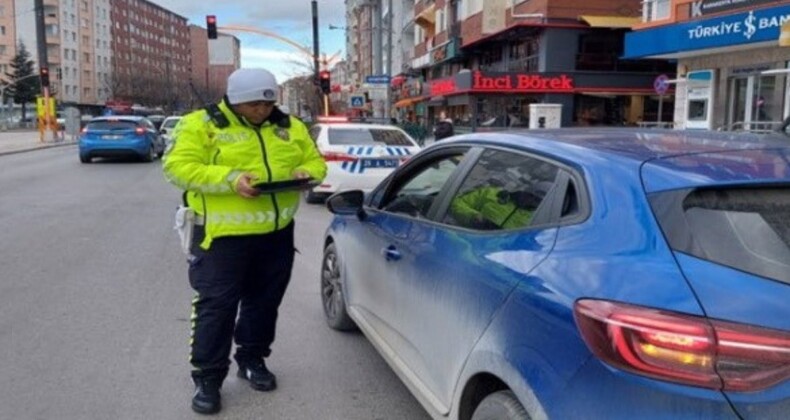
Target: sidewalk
{"type": "Point", "coordinates": [27, 140]}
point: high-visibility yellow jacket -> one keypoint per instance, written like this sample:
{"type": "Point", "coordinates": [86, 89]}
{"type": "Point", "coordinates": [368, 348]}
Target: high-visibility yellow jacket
{"type": "Point", "coordinates": [490, 204]}
{"type": "Point", "coordinates": [206, 161]}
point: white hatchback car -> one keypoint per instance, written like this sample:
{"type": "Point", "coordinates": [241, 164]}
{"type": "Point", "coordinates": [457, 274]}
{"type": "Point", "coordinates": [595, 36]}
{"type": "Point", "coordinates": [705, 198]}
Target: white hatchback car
{"type": "Point", "coordinates": [358, 156]}
{"type": "Point", "coordinates": [167, 128]}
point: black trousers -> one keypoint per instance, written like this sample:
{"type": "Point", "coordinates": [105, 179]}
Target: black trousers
{"type": "Point", "coordinates": [247, 275]}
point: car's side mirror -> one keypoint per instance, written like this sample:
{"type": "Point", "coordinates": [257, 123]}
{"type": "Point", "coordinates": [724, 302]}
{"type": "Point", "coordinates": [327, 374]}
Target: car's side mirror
{"type": "Point", "coordinates": [347, 203]}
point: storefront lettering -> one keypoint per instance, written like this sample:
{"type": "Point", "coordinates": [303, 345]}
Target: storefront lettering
{"type": "Point", "coordinates": [526, 82]}
{"type": "Point", "coordinates": [748, 27]}
{"type": "Point", "coordinates": [522, 82]}
{"type": "Point", "coordinates": [483, 82]}
{"type": "Point", "coordinates": [441, 87]}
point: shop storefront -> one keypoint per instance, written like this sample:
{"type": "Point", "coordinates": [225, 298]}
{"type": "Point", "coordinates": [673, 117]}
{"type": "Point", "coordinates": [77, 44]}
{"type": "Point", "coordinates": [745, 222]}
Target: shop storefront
{"type": "Point", "coordinates": [478, 100]}
{"type": "Point", "coordinates": [732, 72]}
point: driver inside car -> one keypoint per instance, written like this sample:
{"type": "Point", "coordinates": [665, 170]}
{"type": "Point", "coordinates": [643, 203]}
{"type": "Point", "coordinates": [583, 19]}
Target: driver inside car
{"type": "Point", "coordinates": [494, 208]}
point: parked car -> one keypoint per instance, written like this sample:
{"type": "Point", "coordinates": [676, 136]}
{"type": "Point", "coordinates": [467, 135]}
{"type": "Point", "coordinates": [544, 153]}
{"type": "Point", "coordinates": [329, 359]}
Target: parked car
{"type": "Point", "coordinates": [600, 274]}
{"type": "Point", "coordinates": [358, 156]}
{"type": "Point", "coordinates": [120, 136]}
{"type": "Point", "coordinates": [166, 129]}
{"type": "Point", "coordinates": [156, 120]}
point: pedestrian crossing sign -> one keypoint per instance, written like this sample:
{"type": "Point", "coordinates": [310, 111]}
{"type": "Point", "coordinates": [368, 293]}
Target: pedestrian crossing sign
{"type": "Point", "coordinates": [357, 101]}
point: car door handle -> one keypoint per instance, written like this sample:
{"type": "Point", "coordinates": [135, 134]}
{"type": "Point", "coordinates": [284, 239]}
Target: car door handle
{"type": "Point", "coordinates": [390, 253]}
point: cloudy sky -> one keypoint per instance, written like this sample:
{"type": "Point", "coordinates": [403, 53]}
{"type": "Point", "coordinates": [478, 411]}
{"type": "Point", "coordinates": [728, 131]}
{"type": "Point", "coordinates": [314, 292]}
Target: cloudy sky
{"type": "Point", "coordinates": [288, 18]}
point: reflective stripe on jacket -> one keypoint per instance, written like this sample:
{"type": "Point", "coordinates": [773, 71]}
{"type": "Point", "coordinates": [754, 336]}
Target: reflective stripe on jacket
{"type": "Point", "coordinates": [206, 160]}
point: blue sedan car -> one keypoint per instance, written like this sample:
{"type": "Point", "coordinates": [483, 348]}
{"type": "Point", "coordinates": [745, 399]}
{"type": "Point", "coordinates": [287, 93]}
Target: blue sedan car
{"type": "Point", "coordinates": [115, 136]}
{"type": "Point", "coordinates": [575, 274]}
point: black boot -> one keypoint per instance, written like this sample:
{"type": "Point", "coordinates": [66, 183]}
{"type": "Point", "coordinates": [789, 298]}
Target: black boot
{"type": "Point", "coordinates": [256, 373]}
{"type": "Point", "coordinates": [206, 399]}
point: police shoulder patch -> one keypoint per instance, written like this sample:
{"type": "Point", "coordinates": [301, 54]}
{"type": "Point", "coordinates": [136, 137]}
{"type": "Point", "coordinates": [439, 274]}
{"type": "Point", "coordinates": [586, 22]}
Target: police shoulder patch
{"type": "Point", "coordinates": [283, 134]}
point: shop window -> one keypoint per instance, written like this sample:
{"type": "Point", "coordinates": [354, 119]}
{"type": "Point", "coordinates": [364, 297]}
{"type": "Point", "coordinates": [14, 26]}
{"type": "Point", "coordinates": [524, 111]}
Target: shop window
{"type": "Point", "coordinates": [524, 55]}
{"type": "Point", "coordinates": [599, 51]}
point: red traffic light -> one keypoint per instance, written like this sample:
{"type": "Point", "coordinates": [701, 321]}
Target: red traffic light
{"type": "Point", "coordinates": [211, 26]}
{"type": "Point", "coordinates": [44, 75]}
{"type": "Point", "coordinates": [324, 74]}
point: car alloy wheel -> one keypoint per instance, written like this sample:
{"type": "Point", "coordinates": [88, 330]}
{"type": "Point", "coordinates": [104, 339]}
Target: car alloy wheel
{"type": "Point", "coordinates": [501, 405]}
{"type": "Point", "coordinates": [332, 296]}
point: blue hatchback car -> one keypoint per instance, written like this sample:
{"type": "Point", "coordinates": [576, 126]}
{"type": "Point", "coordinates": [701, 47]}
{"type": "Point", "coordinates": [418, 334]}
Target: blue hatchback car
{"type": "Point", "coordinates": [575, 274]}
{"type": "Point", "coordinates": [115, 136]}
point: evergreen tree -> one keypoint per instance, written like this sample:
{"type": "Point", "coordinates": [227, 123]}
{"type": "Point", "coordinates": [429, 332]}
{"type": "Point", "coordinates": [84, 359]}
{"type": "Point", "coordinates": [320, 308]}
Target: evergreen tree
{"type": "Point", "coordinates": [22, 69]}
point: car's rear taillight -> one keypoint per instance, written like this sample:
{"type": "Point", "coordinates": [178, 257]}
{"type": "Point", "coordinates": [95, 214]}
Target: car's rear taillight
{"type": "Point", "coordinates": [683, 348]}
{"type": "Point", "coordinates": [338, 157]}
{"type": "Point", "coordinates": [139, 131]}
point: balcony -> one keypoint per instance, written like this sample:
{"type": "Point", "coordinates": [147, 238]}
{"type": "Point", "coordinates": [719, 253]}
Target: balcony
{"type": "Point", "coordinates": [526, 64]}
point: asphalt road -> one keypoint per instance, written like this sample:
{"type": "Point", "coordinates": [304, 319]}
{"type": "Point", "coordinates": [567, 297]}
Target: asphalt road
{"type": "Point", "coordinates": [94, 308]}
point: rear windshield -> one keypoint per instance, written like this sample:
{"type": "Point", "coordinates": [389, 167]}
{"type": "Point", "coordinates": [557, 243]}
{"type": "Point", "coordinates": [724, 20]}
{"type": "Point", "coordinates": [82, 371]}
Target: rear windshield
{"type": "Point", "coordinates": [112, 125]}
{"type": "Point", "coordinates": [744, 228]}
{"type": "Point", "coordinates": [169, 123]}
{"type": "Point", "coordinates": [368, 136]}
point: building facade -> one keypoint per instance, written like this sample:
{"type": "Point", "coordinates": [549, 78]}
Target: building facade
{"type": "Point", "coordinates": [7, 35]}
{"type": "Point", "coordinates": [483, 63]}
{"type": "Point", "coordinates": [151, 61]}
{"type": "Point", "coordinates": [732, 70]}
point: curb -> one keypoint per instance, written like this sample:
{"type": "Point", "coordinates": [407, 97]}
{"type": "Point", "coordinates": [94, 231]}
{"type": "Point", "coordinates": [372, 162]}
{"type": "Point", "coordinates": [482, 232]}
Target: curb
{"type": "Point", "coordinates": [41, 147]}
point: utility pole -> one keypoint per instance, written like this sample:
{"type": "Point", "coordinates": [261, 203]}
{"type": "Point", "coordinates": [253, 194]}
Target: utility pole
{"type": "Point", "coordinates": [324, 97]}
{"type": "Point", "coordinates": [43, 63]}
{"type": "Point", "coordinates": [378, 35]}
{"type": "Point", "coordinates": [390, 19]}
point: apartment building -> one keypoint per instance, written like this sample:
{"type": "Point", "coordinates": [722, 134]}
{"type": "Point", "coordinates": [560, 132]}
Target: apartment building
{"type": "Point", "coordinates": [483, 62]}
{"type": "Point", "coordinates": [151, 60]}
{"type": "Point", "coordinates": [100, 50]}
{"type": "Point", "coordinates": [732, 68]}
{"type": "Point", "coordinates": [7, 35]}
{"type": "Point", "coordinates": [360, 51]}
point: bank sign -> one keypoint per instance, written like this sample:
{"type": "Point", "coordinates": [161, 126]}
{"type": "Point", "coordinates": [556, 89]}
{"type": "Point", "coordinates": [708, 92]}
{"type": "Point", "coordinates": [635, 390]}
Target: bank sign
{"type": "Point", "coordinates": [706, 7]}
{"type": "Point", "coordinates": [743, 28]}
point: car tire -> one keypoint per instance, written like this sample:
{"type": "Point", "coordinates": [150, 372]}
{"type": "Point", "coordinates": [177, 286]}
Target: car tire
{"type": "Point", "coordinates": [501, 405]}
{"type": "Point", "coordinates": [86, 159]}
{"type": "Point", "coordinates": [332, 297]}
{"type": "Point", "coordinates": [151, 155]}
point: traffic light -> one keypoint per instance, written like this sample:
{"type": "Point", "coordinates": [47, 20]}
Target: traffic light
{"type": "Point", "coordinates": [324, 82]}
{"type": "Point", "coordinates": [44, 74]}
{"type": "Point", "coordinates": [211, 26]}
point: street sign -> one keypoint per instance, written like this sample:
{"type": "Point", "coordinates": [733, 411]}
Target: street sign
{"type": "Point", "coordinates": [377, 80]}
{"type": "Point", "coordinates": [661, 84]}
{"type": "Point", "coordinates": [357, 101]}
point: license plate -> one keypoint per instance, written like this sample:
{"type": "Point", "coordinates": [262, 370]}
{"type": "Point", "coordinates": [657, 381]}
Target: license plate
{"type": "Point", "coordinates": [379, 163]}
{"type": "Point", "coordinates": [111, 137]}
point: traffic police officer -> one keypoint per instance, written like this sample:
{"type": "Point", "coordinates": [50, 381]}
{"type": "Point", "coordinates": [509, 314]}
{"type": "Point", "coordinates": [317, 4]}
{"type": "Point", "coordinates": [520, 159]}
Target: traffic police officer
{"type": "Point", "coordinates": [242, 250]}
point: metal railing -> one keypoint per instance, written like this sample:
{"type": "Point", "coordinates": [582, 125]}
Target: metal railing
{"type": "Point", "coordinates": [656, 124]}
{"type": "Point", "coordinates": [759, 127]}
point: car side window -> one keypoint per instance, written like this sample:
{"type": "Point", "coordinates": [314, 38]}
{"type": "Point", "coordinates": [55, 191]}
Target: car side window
{"type": "Point", "coordinates": [501, 192]}
{"type": "Point", "coordinates": [416, 195]}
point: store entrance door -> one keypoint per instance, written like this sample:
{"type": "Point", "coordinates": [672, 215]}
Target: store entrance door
{"type": "Point", "coordinates": [756, 102]}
